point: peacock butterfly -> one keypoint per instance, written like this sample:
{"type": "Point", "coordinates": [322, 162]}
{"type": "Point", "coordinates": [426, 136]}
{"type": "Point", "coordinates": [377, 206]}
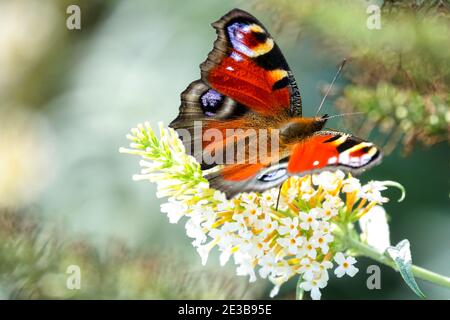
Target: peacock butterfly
{"type": "Point", "coordinates": [246, 84]}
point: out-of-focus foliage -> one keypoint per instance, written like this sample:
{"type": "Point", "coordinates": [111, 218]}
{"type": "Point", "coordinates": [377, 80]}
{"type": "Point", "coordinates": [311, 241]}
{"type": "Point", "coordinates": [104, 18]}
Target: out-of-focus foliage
{"type": "Point", "coordinates": [35, 260]}
{"type": "Point", "coordinates": [25, 156]}
{"type": "Point", "coordinates": [411, 115]}
{"type": "Point", "coordinates": [399, 74]}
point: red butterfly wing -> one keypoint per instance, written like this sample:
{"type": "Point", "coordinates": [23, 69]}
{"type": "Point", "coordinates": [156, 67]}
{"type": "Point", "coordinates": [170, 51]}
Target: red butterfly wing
{"type": "Point", "coordinates": [246, 84]}
{"type": "Point", "coordinates": [326, 150]}
{"type": "Point", "coordinates": [331, 151]}
{"type": "Point", "coordinates": [247, 66]}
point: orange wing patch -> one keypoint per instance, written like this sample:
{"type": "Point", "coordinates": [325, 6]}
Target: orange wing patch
{"type": "Point", "coordinates": [239, 172]}
{"type": "Point", "coordinates": [332, 150]}
{"type": "Point", "coordinates": [311, 154]}
{"type": "Point", "coordinates": [243, 80]}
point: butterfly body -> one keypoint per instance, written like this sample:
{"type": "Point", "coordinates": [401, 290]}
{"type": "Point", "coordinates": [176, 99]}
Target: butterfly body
{"type": "Point", "coordinates": [296, 129]}
{"type": "Point", "coordinates": [246, 86]}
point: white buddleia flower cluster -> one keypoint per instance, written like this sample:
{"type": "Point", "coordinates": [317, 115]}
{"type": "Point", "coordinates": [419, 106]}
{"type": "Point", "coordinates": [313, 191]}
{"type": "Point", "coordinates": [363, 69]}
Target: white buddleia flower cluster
{"type": "Point", "coordinates": [296, 239]}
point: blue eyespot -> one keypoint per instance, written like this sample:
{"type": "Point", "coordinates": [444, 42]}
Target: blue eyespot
{"type": "Point", "coordinates": [273, 175]}
{"type": "Point", "coordinates": [211, 101]}
{"type": "Point", "coordinates": [236, 33]}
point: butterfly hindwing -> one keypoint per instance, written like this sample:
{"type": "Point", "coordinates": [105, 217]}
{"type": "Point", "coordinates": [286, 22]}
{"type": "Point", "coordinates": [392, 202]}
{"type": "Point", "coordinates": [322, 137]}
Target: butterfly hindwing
{"type": "Point", "coordinates": [234, 179]}
{"type": "Point", "coordinates": [202, 108]}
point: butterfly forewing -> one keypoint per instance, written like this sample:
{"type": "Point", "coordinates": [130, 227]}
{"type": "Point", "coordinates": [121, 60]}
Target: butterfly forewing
{"type": "Point", "coordinates": [331, 150]}
{"type": "Point", "coordinates": [245, 84]}
{"type": "Point", "coordinates": [248, 66]}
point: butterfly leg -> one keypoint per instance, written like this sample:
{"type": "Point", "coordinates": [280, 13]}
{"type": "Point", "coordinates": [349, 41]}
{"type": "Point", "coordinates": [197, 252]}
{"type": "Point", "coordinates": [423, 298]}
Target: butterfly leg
{"type": "Point", "coordinates": [278, 198]}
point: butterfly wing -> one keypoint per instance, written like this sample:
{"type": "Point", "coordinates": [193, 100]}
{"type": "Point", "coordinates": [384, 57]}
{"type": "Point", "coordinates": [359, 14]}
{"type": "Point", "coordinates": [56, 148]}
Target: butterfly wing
{"type": "Point", "coordinates": [248, 66]}
{"type": "Point", "coordinates": [325, 150]}
{"type": "Point", "coordinates": [245, 84]}
{"type": "Point", "coordinates": [332, 150]}
{"type": "Point", "coordinates": [203, 108]}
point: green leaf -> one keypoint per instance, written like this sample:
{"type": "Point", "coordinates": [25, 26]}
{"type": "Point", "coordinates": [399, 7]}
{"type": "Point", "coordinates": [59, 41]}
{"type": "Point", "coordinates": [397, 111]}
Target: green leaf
{"type": "Point", "coordinates": [401, 254]}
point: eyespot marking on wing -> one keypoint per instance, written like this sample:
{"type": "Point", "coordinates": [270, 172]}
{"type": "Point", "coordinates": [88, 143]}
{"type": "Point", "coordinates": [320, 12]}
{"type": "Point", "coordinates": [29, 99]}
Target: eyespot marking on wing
{"type": "Point", "coordinates": [211, 101]}
{"type": "Point", "coordinates": [249, 39]}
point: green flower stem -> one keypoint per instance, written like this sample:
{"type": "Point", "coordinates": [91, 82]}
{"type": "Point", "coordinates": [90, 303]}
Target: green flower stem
{"type": "Point", "coordinates": [299, 291]}
{"type": "Point", "coordinates": [421, 273]}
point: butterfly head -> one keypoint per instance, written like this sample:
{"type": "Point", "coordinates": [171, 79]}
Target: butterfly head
{"type": "Point", "coordinates": [321, 121]}
{"type": "Point", "coordinates": [318, 123]}
{"type": "Point", "coordinates": [300, 128]}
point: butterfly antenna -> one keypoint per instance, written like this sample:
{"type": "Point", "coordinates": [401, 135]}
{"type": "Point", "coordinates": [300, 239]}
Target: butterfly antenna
{"type": "Point", "coordinates": [331, 86]}
{"type": "Point", "coordinates": [342, 115]}
{"type": "Point", "coordinates": [278, 198]}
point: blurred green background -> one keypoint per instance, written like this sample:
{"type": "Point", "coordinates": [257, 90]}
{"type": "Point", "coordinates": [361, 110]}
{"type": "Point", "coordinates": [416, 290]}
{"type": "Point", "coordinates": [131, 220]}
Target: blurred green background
{"type": "Point", "coordinates": [68, 97]}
